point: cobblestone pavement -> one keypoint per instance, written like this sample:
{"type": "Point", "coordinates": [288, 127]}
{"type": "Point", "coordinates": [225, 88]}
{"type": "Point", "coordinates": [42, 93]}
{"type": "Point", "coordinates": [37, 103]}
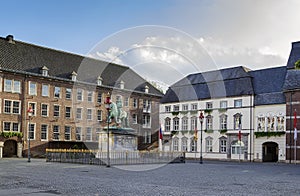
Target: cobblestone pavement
{"type": "Point", "coordinates": [18, 177]}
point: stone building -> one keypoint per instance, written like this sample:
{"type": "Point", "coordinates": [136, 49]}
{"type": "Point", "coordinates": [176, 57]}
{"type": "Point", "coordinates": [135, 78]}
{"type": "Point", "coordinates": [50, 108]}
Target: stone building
{"type": "Point", "coordinates": [67, 93]}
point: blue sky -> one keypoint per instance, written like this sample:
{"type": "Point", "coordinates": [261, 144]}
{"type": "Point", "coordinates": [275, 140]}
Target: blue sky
{"type": "Point", "coordinates": [190, 36]}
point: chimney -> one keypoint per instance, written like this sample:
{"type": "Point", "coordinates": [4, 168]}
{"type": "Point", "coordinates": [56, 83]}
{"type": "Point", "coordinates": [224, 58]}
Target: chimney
{"type": "Point", "coordinates": [10, 39]}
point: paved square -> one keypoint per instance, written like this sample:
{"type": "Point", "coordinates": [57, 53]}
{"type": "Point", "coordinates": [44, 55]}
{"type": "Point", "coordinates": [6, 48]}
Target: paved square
{"type": "Point", "coordinates": [212, 178]}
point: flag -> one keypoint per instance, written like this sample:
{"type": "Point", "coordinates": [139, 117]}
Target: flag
{"type": "Point", "coordinates": [295, 125]}
{"type": "Point", "coordinates": [160, 134]}
{"type": "Point", "coordinates": [240, 132]}
{"type": "Point", "coordinates": [196, 134]}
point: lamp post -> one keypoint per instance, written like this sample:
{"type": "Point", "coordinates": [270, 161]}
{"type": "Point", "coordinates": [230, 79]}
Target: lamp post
{"type": "Point", "coordinates": [29, 112]}
{"type": "Point", "coordinates": [107, 106]}
{"type": "Point", "coordinates": [201, 117]}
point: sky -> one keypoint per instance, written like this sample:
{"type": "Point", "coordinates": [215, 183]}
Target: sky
{"type": "Point", "coordinates": [162, 40]}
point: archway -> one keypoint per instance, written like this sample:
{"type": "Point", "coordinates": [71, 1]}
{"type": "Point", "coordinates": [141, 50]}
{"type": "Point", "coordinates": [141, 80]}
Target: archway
{"type": "Point", "coordinates": [269, 152]}
{"type": "Point", "coordinates": [10, 148]}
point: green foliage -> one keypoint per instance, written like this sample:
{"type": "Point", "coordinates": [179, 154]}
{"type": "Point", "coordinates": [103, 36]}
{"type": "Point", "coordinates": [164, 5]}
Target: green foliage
{"type": "Point", "coordinates": [175, 113]}
{"type": "Point", "coordinates": [174, 133]}
{"type": "Point", "coordinates": [208, 131]}
{"type": "Point", "coordinates": [269, 134]}
{"type": "Point", "coordinates": [207, 111]}
{"type": "Point", "coordinates": [223, 130]}
{"type": "Point", "coordinates": [221, 110]}
{"type": "Point", "coordinates": [193, 112]}
{"type": "Point", "coordinates": [11, 134]}
{"type": "Point", "coordinates": [297, 64]}
{"type": "Point", "coordinates": [184, 112]}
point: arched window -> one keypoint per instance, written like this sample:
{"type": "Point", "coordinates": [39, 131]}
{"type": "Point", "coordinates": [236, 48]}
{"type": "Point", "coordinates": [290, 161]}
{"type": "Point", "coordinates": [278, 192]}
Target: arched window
{"type": "Point", "coordinates": [167, 124]}
{"type": "Point", "coordinates": [208, 144]}
{"type": "Point", "coordinates": [223, 122]}
{"type": "Point", "coordinates": [209, 122]}
{"type": "Point", "coordinates": [223, 144]}
{"type": "Point", "coordinates": [194, 123]}
{"type": "Point", "coordinates": [184, 144]}
{"type": "Point", "coordinates": [175, 144]}
{"type": "Point", "coordinates": [193, 144]}
{"type": "Point", "coordinates": [176, 124]}
{"type": "Point", "coordinates": [237, 147]}
{"type": "Point", "coordinates": [184, 123]}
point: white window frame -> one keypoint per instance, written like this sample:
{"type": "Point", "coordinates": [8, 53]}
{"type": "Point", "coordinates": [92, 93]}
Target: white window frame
{"type": "Point", "coordinates": [12, 106]}
{"type": "Point", "coordinates": [32, 88]}
{"type": "Point", "coordinates": [68, 114]}
{"type": "Point", "coordinates": [68, 93]}
{"type": "Point", "coordinates": [11, 126]}
{"type": "Point", "coordinates": [90, 96]}
{"type": "Point", "coordinates": [238, 103]}
{"type": "Point", "coordinates": [43, 110]}
{"type": "Point", "coordinates": [89, 114]}
{"type": "Point", "coordinates": [32, 125]}
{"type": "Point", "coordinates": [57, 91]}
{"type": "Point", "coordinates": [68, 130]}
{"type": "Point", "coordinates": [55, 111]}
{"type": "Point", "coordinates": [89, 133]}
{"type": "Point", "coordinates": [79, 94]}
{"type": "Point", "coordinates": [79, 113]}
{"type": "Point", "coordinates": [134, 119]}
{"type": "Point", "coordinates": [54, 132]}
{"type": "Point", "coordinates": [45, 90]}
{"type": "Point", "coordinates": [13, 87]}
{"type": "Point", "coordinates": [43, 130]}
{"type": "Point", "coordinates": [99, 115]}
{"type": "Point", "coordinates": [209, 144]}
{"type": "Point", "coordinates": [78, 133]}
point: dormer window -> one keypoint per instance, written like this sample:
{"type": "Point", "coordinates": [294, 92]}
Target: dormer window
{"type": "Point", "coordinates": [45, 71]}
{"type": "Point", "coordinates": [146, 89]}
{"type": "Point", "coordinates": [99, 81]}
{"type": "Point", "coordinates": [74, 76]}
{"type": "Point", "coordinates": [121, 84]}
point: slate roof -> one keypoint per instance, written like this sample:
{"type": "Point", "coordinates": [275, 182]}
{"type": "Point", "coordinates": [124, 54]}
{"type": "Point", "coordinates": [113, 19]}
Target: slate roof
{"type": "Point", "coordinates": [268, 85]}
{"type": "Point", "coordinates": [213, 84]}
{"type": "Point", "coordinates": [294, 55]}
{"type": "Point", "coordinates": [29, 58]}
{"type": "Point", "coordinates": [292, 80]}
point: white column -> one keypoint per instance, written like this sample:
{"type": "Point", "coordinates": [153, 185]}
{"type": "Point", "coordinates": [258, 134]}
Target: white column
{"type": "Point", "coordinates": [1, 149]}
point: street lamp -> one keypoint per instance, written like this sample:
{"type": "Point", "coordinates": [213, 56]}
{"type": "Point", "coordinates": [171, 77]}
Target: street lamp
{"type": "Point", "coordinates": [107, 106]}
{"type": "Point", "coordinates": [201, 117]}
{"type": "Point", "coordinates": [29, 112]}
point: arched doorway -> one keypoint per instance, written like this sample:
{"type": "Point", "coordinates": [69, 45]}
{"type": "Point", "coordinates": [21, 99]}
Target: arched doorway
{"type": "Point", "coordinates": [10, 148]}
{"type": "Point", "coordinates": [270, 152]}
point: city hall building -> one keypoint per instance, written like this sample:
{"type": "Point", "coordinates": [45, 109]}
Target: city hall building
{"type": "Point", "coordinates": [55, 99]}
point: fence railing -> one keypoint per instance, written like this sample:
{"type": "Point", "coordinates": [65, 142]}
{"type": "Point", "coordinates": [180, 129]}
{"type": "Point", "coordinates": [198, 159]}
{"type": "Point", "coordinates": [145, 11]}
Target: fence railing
{"type": "Point", "coordinates": [96, 157]}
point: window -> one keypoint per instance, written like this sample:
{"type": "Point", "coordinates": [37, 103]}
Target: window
{"type": "Point", "coordinates": [79, 113]}
{"type": "Point", "coordinates": [99, 97]}
{"type": "Point", "coordinates": [261, 125]}
{"type": "Point", "coordinates": [135, 103]}
{"type": "Point", "coordinates": [68, 93]}
{"type": "Point", "coordinates": [126, 101]}
{"type": "Point", "coordinates": [146, 121]}
{"type": "Point", "coordinates": [208, 144]}
{"type": "Point", "coordinates": [55, 132]}
{"type": "Point", "coordinates": [44, 132]}
{"type": "Point", "coordinates": [12, 107]}
{"type": "Point", "coordinates": [238, 103]}
{"type": "Point", "coordinates": [134, 118]}
{"type": "Point", "coordinates": [176, 124]}
{"type": "Point", "coordinates": [193, 123]}
{"type": "Point", "coordinates": [78, 134]}
{"type": "Point", "coordinates": [176, 108]}
{"type": "Point", "coordinates": [223, 145]}
{"type": "Point", "coordinates": [33, 107]}
{"type": "Point", "coordinates": [31, 128]}
{"type": "Point", "coordinates": [237, 121]}
{"type": "Point", "coordinates": [90, 95]}
{"type": "Point", "coordinates": [176, 144]}
{"type": "Point", "coordinates": [146, 106]}
{"type": "Point", "coordinates": [223, 122]}
{"type": "Point", "coordinates": [67, 133]}
{"type": "Point", "coordinates": [99, 115]}
{"type": "Point", "coordinates": [56, 92]}
{"type": "Point", "coordinates": [185, 107]}
{"type": "Point", "coordinates": [44, 109]}
{"type": "Point", "coordinates": [89, 114]}
{"type": "Point", "coordinates": [237, 147]}
{"type": "Point", "coordinates": [45, 90]}
{"type": "Point", "coordinates": [209, 122]}
{"type": "Point", "coordinates": [147, 137]}
{"type": "Point", "coordinates": [13, 86]}
{"type": "Point", "coordinates": [194, 106]}
{"type": "Point", "coordinates": [32, 88]}
{"type": "Point", "coordinates": [79, 95]}
{"type": "Point", "coordinates": [167, 124]}
{"type": "Point", "coordinates": [193, 145]}
{"type": "Point", "coordinates": [88, 134]}
{"type": "Point", "coordinates": [167, 108]}
{"type": "Point", "coordinates": [184, 123]}
{"type": "Point", "coordinates": [184, 144]}
{"type": "Point", "coordinates": [209, 105]}
{"type": "Point", "coordinates": [11, 126]}
{"type": "Point", "coordinates": [56, 110]}
{"type": "Point", "coordinates": [68, 112]}
{"type": "Point", "coordinates": [223, 104]}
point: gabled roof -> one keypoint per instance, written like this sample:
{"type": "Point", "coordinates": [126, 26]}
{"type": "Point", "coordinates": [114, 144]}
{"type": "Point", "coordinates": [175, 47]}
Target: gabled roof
{"type": "Point", "coordinates": [213, 84]}
{"type": "Point", "coordinates": [268, 85]}
{"type": "Point", "coordinates": [294, 55]}
{"type": "Point", "coordinates": [292, 80]}
{"type": "Point", "coordinates": [29, 58]}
